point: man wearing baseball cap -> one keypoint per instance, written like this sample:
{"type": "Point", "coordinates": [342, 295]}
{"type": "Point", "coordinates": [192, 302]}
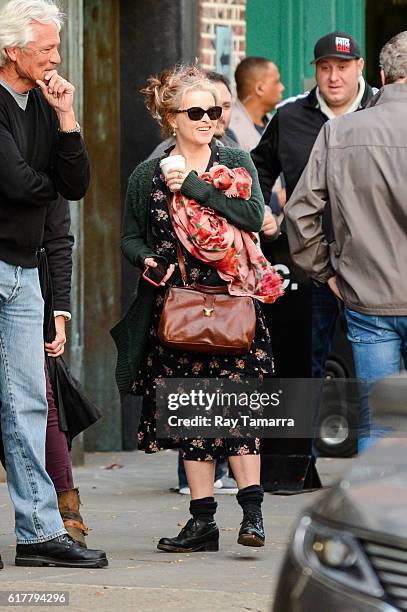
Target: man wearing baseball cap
{"type": "Point", "coordinates": [357, 167]}
{"type": "Point", "coordinates": [304, 322]}
{"type": "Point", "coordinates": [287, 142]}
{"type": "Point", "coordinates": [337, 44]}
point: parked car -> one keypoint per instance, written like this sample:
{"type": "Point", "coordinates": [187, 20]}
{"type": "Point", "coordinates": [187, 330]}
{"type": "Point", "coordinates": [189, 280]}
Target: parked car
{"type": "Point", "coordinates": [348, 552]}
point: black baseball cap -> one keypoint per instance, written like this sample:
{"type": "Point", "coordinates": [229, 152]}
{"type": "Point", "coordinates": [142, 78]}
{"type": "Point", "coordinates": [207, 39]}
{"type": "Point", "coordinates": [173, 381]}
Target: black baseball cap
{"type": "Point", "coordinates": [337, 44]}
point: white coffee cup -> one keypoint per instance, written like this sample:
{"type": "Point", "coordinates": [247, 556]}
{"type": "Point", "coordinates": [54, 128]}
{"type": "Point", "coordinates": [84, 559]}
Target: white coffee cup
{"type": "Point", "coordinates": [172, 162]}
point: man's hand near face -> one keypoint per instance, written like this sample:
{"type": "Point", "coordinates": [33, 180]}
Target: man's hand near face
{"type": "Point", "coordinates": [59, 94]}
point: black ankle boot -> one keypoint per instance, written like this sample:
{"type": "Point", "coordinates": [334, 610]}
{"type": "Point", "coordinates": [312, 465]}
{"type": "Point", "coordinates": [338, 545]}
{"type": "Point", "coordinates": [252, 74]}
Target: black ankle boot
{"type": "Point", "coordinates": [251, 531]}
{"type": "Point", "coordinates": [199, 534]}
{"type": "Point", "coordinates": [195, 536]}
{"type": "Point", "coordinates": [62, 551]}
{"type": "Point", "coordinates": [1, 563]}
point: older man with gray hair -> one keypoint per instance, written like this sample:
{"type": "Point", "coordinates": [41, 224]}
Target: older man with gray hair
{"type": "Point", "coordinates": [358, 166]}
{"type": "Point", "coordinates": [41, 154]}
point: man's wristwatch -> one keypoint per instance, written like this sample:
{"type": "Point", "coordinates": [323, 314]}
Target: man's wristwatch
{"type": "Point", "coordinates": [75, 130]}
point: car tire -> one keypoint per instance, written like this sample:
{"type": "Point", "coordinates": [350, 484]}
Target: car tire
{"type": "Point", "coordinates": [335, 369]}
{"type": "Point", "coordinates": [336, 424]}
{"type": "Point", "coordinates": [335, 435]}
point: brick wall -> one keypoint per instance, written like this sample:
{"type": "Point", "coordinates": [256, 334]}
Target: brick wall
{"type": "Point", "coordinates": [221, 12]}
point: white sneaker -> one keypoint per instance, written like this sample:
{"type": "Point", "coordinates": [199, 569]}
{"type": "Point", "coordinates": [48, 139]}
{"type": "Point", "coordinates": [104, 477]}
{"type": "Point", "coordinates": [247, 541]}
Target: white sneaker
{"type": "Point", "coordinates": [228, 486]}
{"type": "Point", "coordinates": [223, 486]}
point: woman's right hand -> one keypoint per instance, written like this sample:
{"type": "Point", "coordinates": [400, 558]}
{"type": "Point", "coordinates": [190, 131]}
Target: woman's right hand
{"type": "Point", "coordinates": [149, 262]}
{"type": "Point", "coordinates": [174, 180]}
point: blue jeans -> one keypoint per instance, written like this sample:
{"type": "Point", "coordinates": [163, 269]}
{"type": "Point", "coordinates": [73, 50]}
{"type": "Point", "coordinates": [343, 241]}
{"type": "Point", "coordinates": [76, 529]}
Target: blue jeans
{"type": "Point", "coordinates": [24, 406]}
{"type": "Point", "coordinates": [379, 345]}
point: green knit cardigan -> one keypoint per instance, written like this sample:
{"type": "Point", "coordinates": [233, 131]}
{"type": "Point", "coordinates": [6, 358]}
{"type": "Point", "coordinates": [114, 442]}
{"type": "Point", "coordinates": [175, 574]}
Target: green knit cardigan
{"type": "Point", "coordinates": [130, 334]}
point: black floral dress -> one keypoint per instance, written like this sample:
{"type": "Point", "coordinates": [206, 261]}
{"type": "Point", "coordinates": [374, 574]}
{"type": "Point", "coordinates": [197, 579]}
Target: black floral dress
{"type": "Point", "coordinates": [161, 362]}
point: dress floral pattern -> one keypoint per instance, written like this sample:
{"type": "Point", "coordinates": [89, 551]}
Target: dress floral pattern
{"type": "Point", "coordinates": [161, 362]}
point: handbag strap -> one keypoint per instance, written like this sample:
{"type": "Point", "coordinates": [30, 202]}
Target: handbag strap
{"type": "Point", "coordinates": [181, 263]}
{"type": "Point", "coordinates": [180, 257]}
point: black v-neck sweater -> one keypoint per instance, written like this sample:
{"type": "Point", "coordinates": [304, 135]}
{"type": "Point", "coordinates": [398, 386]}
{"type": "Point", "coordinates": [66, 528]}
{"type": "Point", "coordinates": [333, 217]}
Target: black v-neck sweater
{"type": "Point", "coordinates": [36, 163]}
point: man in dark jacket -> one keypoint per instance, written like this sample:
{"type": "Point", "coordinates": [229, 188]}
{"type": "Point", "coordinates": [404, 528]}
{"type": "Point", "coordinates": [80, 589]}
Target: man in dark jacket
{"type": "Point", "coordinates": [357, 165]}
{"type": "Point", "coordinates": [41, 153]}
{"type": "Point", "coordinates": [288, 140]}
{"type": "Point", "coordinates": [304, 320]}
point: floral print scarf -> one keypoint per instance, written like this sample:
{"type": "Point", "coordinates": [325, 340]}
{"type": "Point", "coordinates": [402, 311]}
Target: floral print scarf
{"type": "Point", "coordinates": [233, 252]}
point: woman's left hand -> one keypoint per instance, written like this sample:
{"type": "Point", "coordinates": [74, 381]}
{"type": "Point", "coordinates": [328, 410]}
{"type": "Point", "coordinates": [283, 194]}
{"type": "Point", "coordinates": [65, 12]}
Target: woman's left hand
{"type": "Point", "coordinates": [174, 179]}
{"type": "Point", "coordinates": [57, 347]}
{"type": "Point", "coordinates": [269, 227]}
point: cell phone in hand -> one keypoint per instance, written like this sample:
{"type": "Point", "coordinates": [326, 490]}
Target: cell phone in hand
{"type": "Point", "coordinates": [156, 275]}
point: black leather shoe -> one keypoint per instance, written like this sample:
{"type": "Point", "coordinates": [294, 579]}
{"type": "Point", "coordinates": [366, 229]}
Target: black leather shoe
{"type": "Point", "coordinates": [59, 552]}
{"type": "Point", "coordinates": [196, 535]}
{"type": "Point", "coordinates": [1, 563]}
{"type": "Point", "coordinates": [252, 531]}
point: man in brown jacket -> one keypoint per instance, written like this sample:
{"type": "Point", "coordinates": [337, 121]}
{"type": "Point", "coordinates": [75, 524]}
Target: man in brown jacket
{"type": "Point", "coordinates": [358, 166]}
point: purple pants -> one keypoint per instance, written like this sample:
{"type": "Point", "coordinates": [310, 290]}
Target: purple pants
{"type": "Point", "coordinates": [57, 460]}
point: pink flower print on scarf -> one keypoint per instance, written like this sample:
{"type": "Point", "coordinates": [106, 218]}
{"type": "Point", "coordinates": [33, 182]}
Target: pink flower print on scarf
{"type": "Point", "coordinates": [233, 252]}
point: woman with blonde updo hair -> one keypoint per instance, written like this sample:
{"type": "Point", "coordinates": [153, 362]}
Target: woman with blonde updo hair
{"type": "Point", "coordinates": [186, 104]}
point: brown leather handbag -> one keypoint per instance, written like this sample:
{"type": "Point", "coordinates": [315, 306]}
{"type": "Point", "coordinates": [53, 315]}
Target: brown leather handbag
{"type": "Point", "coordinates": [205, 319]}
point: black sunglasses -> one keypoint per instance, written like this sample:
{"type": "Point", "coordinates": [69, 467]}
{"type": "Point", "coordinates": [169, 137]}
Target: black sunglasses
{"type": "Point", "coordinates": [195, 113]}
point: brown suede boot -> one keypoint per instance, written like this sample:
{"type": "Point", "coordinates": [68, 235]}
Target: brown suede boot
{"type": "Point", "coordinates": [68, 504]}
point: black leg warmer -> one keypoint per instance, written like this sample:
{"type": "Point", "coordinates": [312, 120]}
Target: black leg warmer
{"type": "Point", "coordinates": [250, 498]}
{"type": "Point", "coordinates": [203, 509]}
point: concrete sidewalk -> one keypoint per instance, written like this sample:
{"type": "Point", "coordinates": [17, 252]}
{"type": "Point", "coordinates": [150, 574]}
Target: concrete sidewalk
{"type": "Point", "coordinates": [129, 507]}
